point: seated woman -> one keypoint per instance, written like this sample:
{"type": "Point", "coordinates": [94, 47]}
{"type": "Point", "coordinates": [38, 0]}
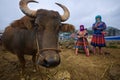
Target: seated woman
{"type": "Point", "coordinates": [82, 42]}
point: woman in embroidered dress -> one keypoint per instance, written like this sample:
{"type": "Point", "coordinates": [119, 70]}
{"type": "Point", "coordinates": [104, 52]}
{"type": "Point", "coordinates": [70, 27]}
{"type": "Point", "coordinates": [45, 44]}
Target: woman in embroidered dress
{"type": "Point", "coordinates": [98, 36]}
{"type": "Point", "coordinates": [82, 42]}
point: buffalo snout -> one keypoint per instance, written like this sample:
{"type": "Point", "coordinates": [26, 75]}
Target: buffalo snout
{"type": "Point", "coordinates": [49, 60]}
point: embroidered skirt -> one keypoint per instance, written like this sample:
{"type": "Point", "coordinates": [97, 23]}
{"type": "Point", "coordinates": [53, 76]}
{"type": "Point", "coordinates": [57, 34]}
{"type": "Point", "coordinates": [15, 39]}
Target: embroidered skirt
{"type": "Point", "coordinates": [80, 43]}
{"type": "Point", "coordinates": [98, 40]}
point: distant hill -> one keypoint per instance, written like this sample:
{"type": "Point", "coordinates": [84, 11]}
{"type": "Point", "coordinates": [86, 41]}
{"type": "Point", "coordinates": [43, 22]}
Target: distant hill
{"type": "Point", "coordinates": [111, 31]}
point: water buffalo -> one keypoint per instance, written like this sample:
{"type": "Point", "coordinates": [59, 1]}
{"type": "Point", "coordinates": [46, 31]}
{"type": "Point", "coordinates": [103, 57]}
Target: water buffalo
{"type": "Point", "coordinates": [37, 32]}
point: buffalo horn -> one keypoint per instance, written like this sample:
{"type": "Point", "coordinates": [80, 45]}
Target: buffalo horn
{"type": "Point", "coordinates": [66, 14]}
{"type": "Point", "coordinates": [24, 8]}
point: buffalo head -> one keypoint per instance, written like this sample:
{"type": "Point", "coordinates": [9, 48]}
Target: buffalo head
{"type": "Point", "coordinates": [48, 24]}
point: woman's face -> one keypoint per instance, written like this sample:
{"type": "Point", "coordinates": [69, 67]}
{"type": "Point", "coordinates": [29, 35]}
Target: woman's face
{"type": "Point", "coordinates": [81, 28]}
{"type": "Point", "coordinates": [98, 19]}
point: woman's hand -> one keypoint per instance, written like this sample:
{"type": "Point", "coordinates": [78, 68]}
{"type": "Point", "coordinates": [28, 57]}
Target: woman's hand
{"type": "Point", "coordinates": [78, 36]}
{"type": "Point", "coordinates": [99, 28]}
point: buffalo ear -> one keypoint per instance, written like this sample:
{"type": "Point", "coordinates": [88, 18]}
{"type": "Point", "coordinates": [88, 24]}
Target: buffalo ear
{"type": "Point", "coordinates": [67, 28]}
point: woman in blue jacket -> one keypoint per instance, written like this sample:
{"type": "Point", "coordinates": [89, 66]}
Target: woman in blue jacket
{"type": "Point", "coordinates": [98, 37]}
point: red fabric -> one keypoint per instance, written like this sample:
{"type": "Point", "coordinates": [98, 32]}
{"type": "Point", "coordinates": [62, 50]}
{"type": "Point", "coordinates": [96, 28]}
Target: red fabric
{"type": "Point", "coordinates": [98, 39]}
{"type": "Point", "coordinates": [80, 42]}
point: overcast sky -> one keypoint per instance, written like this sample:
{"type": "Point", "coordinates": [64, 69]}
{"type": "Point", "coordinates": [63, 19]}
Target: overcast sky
{"type": "Point", "coordinates": [81, 11]}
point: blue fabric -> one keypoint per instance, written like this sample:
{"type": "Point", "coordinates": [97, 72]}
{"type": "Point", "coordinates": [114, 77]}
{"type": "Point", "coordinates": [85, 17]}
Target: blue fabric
{"type": "Point", "coordinates": [101, 26]}
{"type": "Point", "coordinates": [99, 45]}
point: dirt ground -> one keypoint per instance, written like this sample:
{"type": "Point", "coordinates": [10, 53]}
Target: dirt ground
{"type": "Point", "coordinates": [72, 67]}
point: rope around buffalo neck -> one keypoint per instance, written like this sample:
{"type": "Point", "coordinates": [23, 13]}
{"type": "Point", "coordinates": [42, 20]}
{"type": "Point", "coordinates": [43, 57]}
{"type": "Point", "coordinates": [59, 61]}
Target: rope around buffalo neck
{"type": "Point", "coordinates": [40, 50]}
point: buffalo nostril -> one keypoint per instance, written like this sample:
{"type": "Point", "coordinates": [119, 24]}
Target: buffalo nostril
{"type": "Point", "coordinates": [51, 62]}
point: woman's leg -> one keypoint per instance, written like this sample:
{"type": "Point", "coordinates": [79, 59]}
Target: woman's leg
{"type": "Point", "coordinates": [87, 52]}
{"type": "Point", "coordinates": [94, 50]}
{"type": "Point", "coordinates": [76, 51]}
{"type": "Point", "coordinates": [100, 50]}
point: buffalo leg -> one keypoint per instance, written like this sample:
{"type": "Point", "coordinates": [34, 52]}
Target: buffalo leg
{"type": "Point", "coordinates": [34, 63]}
{"type": "Point", "coordinates": [22, 64]}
